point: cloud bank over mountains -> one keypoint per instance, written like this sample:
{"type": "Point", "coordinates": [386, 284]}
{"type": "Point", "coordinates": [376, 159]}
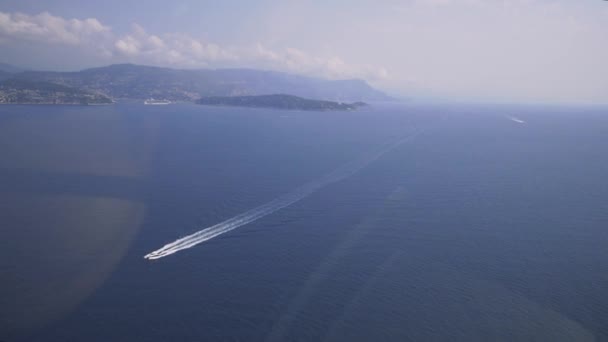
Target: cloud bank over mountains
{"type": "Point", "coordinates": [170, 49]}
{"type": "Point", "coordinates": [47, 28]}
{"type": "Point", "coordinates": [540, 51]}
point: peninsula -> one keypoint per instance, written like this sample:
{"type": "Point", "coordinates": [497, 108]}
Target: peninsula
{"type": "Point", "coordinates": [278, 101]}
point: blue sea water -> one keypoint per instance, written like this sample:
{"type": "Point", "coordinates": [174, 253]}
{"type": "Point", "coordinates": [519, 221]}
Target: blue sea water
{"type": "Point", "coordinates": [490, 224]}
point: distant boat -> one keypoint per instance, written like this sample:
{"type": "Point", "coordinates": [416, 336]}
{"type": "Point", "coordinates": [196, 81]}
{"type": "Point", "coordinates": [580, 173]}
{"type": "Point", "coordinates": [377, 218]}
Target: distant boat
{"type": "Point", "coordinates": [156, 102]}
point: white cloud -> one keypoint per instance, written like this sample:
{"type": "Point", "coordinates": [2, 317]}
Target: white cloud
{"type": "Point", "coordinates": [170, 49]}
{"type": "Point", "coordinates": [45, 27]}
{"type": "Point", "coordinates": [127, 46]}
{"type": "Point", "coordinates": [298, 61]}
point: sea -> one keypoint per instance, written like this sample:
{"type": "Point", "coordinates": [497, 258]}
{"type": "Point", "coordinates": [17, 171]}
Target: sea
{"type": "Point", "coordinates": [396, 222]}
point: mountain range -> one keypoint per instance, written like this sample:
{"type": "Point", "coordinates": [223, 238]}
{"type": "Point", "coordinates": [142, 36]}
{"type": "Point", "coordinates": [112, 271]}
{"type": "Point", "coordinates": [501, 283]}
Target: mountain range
{"type": "Point", "coordinates": [129, 81]}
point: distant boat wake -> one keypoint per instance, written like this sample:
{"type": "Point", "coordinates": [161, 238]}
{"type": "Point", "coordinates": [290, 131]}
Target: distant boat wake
{"type": "Point", "coordinates": [281, 202]}
{"type": "Point", "coordinates": [514, 119]}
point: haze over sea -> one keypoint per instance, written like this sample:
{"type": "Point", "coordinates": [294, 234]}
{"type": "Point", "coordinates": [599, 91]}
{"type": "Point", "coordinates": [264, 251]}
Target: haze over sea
{"type": "Point", "coordinates": [489, 224]}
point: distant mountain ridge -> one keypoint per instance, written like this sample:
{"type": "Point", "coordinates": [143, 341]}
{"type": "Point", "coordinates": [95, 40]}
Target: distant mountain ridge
{"type": "Point", "coordinates": [8, 68]}
{"type": "Point", "coordinates": [130, 81]}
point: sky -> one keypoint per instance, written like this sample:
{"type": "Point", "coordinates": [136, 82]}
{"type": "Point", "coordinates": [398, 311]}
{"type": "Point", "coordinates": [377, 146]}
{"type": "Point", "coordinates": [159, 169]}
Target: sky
{"type": "Point", "coordinates": [526, 51]}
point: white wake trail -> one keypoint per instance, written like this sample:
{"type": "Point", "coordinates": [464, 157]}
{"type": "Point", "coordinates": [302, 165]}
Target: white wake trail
{"type": "Point", "coordinates": [514, 119]}
{"type": "Point", "coordinates": [274, 205]}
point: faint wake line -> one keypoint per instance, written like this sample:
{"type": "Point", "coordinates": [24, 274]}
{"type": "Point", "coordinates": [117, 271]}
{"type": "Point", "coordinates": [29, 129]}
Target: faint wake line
{"type": "Point", "coordinates": [277, 204]}
{"type": "Point", "coordinates": [512, 118]}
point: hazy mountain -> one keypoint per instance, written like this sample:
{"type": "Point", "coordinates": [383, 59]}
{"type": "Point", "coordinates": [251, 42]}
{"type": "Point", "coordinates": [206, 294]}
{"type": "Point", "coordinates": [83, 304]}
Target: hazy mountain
{"type": "Point", "coordinates": [140, 82]}
{"type": "Point", "coordinates": [4, 75]}
{"type": "Point", "coordinates": [8, 68]}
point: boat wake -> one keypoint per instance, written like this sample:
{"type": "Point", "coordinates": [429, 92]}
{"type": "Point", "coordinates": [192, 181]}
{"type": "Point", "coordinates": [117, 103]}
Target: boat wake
{"type": "Point", "coordinates": [514, 119]}
{"type": "Point", "coordinates": [279, 203]}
